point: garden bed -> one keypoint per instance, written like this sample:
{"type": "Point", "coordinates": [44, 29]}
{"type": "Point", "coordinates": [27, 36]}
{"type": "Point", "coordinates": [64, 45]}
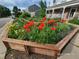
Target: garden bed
{"type": "Point", "coordinates": [74, 22]}
{"type": "Point", "coordinates": [74, 25]}
{"type": "Point", "coordinates": [27, 46]}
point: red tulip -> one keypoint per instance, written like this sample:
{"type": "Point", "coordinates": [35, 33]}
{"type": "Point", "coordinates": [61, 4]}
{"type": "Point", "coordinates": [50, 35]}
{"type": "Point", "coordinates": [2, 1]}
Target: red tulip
{"type": "Point", "coordinates": [44, 19]}
{"type": "Point", "coordinates": [62, 21]}
{"type": "Point", "coordinates": [31, 23]}
{"type": "Point", "coordinates": [53, 28]}
{"type": "Point", "coordinates": [28, 30]}
{"type": "Point", "coordinates": [41, 26]}
{"type": "Point", "coordinates": [51, 21]}
{"type": "Point", "coordinates": [26, 26]}
{"type": "Point", "coordinates": [55, 24]}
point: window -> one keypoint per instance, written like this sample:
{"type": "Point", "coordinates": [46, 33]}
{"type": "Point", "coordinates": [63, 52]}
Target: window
{"type": "Point", "coordinates": [72, 12]}
{"type": "Point", "coordinates": [50, 11]}
{"type": "Point", "coordinates": [47, 11]}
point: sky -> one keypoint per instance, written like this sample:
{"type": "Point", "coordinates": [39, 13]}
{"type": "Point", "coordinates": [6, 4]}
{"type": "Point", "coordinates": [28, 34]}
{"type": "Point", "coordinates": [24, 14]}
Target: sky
{"type": "Point", "coordinates": [19, 3]}
{"type": "Point", "coordinates": [23, 4]}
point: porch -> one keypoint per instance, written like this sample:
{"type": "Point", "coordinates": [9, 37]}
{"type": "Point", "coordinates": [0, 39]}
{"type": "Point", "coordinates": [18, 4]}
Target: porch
{"type": "Point", "coordinates": [65, 10]}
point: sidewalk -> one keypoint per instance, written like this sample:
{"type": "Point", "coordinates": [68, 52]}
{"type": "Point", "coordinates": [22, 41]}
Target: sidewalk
{"type": "Point", "coordinates": [71, 51]}
{"type": "Point", "coordinates": [2, 47]}
{"type": "Point", "coordinates": [3, 21]}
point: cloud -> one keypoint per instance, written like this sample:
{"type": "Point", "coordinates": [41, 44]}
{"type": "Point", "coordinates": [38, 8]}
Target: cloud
{"type": "Point", "coordinates": [49, 2]}
{"type": "Point", "coordinates": [19, 3]}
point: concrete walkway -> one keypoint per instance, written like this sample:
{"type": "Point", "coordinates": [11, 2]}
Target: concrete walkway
{"type": "Point", "coordinates": [3, 49]}
{"type": "Point", "coordinates": [3, 21]}
{"type": "Point", "coordinates": [72, 50]}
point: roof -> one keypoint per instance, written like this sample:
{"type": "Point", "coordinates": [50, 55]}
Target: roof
{"type": "Point", "coordinates": [65, 4]}
{"type": "Point", "coordinates": [33, 8]}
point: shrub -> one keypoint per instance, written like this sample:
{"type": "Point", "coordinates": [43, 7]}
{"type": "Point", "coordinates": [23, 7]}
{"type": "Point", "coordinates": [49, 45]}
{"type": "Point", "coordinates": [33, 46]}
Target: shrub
{"type": "Point", "coordinates": [74, 21]}
{"type": "Point", "coordinates": [24, 15]}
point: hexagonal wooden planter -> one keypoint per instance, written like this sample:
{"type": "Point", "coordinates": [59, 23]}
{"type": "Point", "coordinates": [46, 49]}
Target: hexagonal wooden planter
{"type": "Point", "coordinates": [33, 47]}
{"type": "Point", "coordinates": [73, 25]}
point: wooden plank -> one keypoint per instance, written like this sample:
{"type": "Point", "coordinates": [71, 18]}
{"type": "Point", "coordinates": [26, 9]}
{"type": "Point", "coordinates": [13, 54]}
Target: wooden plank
{"type": "Point", "coordinates": [31, 44]}
{"type": "Point", "coordinates": [75, 25]}
{"type": "Point", "coordinates": [43, 51]}
{"type": "Point", "coordinates": [65, 40]}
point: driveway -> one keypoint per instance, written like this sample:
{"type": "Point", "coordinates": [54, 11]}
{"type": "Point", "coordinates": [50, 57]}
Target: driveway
{"type": "Point", "coordinates": [4, 21]}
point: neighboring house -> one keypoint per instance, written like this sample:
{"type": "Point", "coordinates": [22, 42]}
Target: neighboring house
{"type": "Point", "coordinates": [33, 10]}
{"type": "Point", "coordinates": [67, 9]}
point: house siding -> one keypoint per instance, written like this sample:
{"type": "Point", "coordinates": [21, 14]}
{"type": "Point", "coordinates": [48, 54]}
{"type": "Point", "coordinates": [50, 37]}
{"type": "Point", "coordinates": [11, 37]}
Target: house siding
{"type": "Point", "coordinates": [77, 13]}
{"type": "Point", "coordinates": [67, 11]}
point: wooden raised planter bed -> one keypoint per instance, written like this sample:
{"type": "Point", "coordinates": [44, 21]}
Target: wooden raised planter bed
{"type": "Point", "coordinates": [73, 25]}
{"type": "Point", "coordinates": [33, 47]}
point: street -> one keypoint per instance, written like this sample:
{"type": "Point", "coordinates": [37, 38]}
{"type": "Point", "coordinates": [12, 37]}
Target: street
{"type": "Point", "coordinates": [3, 21]}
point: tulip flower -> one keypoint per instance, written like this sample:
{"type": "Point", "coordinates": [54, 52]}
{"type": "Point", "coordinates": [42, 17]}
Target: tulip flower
{"type": "Point", "coordinates": [51, 21]}
{"type": "Point", "coordinates": [41, 26]}
{"type": "Point", "coordinates": [53, 28]}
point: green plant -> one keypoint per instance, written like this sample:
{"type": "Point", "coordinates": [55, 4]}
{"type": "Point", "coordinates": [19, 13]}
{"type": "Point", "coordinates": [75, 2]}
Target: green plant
{"type": "Point", "coordinates": [48, 36]}
{"type": "Point", "coordinates": [25, 14]}
{"type": "Point", "coordinates": [42, 11]}
{"type": "Point", "coordinates": [74, 21]}
{"type": "Point", "coordinates": [17, 32]}
{"type": "Point", "coordinates": [4, 11]}
{"type": "Point", "coordinates": [45, 31]}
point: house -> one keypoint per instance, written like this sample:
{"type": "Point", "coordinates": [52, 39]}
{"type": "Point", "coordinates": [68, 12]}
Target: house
{"type": "Point", "coordinates": [67, 9]}
{"type": "Point", "coordinates": [33, 10]}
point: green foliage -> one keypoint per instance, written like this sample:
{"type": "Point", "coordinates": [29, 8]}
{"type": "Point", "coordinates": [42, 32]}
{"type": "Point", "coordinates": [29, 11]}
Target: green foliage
{"type": "Point", "coordinates": [16, 32]}
{"type": "Point", "coordinates": [74, 21]}
{"type": "Point", "coordinates": [15, 9]}
{"type": "Point", "coordinates": [25, 14]}
{"type": "Point", "coordinates": [45, 36]}
{"type": "Point", "coordinates": [57, 18]}
{"type": "Point", "coordinates": [4, 12]}
{"type": "Point", "coordinates": [17, 12]}
{"type": "Point", "coordinates": [42, 8]}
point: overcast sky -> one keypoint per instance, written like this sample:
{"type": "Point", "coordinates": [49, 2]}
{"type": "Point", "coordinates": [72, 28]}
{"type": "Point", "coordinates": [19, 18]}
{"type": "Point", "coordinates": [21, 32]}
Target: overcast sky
{"type": "Point", "coordinates": [23, 4]}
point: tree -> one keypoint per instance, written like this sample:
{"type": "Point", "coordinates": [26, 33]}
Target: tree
{"type": "Point", "coordinates": [4, 11]}
{"type": "Point", "coordinates": [42, 8]}
{"type": "Point", "coordinates": [19, 10]}
{"type": "Point", "coordinates": [16, 11]}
